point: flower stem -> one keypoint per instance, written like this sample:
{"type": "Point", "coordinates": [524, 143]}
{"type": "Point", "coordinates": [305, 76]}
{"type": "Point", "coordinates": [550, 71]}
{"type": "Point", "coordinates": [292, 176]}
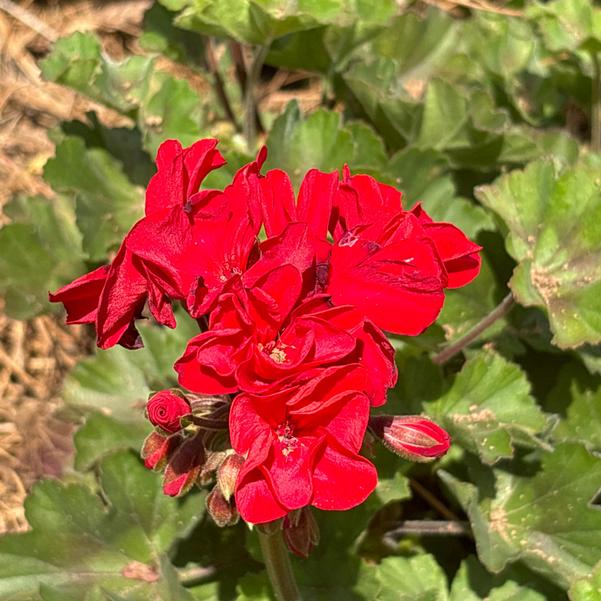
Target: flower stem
{"type": "Point", "coordinates": [277, 562]}
{"type": "Point", "coordinates": [453, 349]}
{"type": "Point", "coordinates": [596, 105]}
{"type": "Point", "coordinates": [252, 81]}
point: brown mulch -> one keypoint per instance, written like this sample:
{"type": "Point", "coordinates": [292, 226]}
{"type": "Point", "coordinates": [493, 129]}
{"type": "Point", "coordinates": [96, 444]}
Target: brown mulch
{"type": "Point", "coordinates": [35, 355]}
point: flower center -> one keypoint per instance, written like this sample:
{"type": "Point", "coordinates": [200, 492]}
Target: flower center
{"type": "Point", "coordinates": [287, 441]}
{"type": "Point", "coordinates": [275, 351]}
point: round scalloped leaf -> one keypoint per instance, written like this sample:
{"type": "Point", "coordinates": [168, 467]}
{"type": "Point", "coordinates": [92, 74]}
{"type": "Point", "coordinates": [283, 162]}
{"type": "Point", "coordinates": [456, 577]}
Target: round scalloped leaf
{"type": "Point", "coordinates": [545, 520]}
{"type": "Point", "coordinates": [80, 542]}
{"type": "Point", "coordinates": [554, 223]}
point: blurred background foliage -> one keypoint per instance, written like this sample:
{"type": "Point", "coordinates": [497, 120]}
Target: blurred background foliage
{"type": "Point", "coordinates": [489, 114]}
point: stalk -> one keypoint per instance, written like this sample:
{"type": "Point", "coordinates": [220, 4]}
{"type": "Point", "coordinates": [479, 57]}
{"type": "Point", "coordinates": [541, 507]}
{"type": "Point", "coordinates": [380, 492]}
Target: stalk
{"type": "Point", "coordinates": [277, 562]}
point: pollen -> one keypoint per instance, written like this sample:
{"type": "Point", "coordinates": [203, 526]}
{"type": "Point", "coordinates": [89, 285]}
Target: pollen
{"type": "Point", "coordinates": [287, 441]}
{"type": "Point", "coordinates": [278, 355]}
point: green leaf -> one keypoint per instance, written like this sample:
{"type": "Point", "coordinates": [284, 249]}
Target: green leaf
{"type": "Point", "coordinates": [118, 381]}
{"type": "Point", "coordinates": [39, 251]}
{"type": "Point", "coordinates": [474, 583]}
{"type": "Point", "coordinates": [587, 589]}
{"type": "Point", "coordinates": [545, 520]}
{"type": "Point", "coordinates": [261, 21]}
{"type": "Point", "coordinates": [489, 408]}
{"type": "Point", "coordinates": [297, 144]}
{"type": "Point", "coordinates": [577, 397]}
{"type": "Point", "coordinates": [107, 204]}
{"type": "Point", "coordinates": [556, 242]}
{"type": "Point", "coordinates": [568, 25]}
{"type": "Point", "coordinates": [162, 106]}
{"type": "Point", "coordinates": [79, 541]}
{"type": "Point", "coordinates": [418, 578]}
{"type": "Point", "coordinates": [101, 435]}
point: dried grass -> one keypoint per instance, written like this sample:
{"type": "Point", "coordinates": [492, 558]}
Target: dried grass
{"type": "Point", "coordinates": [36, 355]}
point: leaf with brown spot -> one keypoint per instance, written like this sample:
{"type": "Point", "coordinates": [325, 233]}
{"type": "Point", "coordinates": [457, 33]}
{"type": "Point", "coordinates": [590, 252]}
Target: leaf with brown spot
{"type": "Point", "coordinates": [554, 221]}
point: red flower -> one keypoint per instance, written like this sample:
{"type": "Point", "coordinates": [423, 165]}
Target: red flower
{"type": "Point", "coordinates": [413, 437]}
{"type": "Point", "coordinates": [165, 408]}
{"type": "Point", "coordinates": [302, 447]}
{"type": "Point", "coordinates": [113, 297]}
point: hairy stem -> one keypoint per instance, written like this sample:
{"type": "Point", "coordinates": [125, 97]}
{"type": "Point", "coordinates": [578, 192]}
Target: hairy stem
{"type": "Point", "coordinates": [277, 563]}
{"type": "Point", "coordinates": [213, 68]}
{"type": "Point", "coordinates": [596, 104]}
{"type": "Point", "coordinates": [252, 81]}
{"type": "Point", "coordinates": [431, 528]}
{"type": "Point", "coordinates": [453, 349]}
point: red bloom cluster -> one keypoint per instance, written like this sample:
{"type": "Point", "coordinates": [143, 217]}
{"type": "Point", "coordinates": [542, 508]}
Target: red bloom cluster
{"type": "Point", "coordinates": [293, 322]}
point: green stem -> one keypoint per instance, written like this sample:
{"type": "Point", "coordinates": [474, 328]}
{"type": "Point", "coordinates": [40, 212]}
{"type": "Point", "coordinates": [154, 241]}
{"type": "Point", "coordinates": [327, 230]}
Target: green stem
{"type": "Point", "coordinates": [596, 105]}
{"type": "Point", "coordinates": [252, 81]}
{"type": "Point", "coordinates": [277, 563]}
{"type": "Point", "coordinates": [453, 349]}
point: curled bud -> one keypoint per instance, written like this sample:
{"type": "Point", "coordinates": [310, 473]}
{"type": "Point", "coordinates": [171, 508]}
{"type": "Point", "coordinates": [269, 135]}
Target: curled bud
{"type": "Point", "coordinates": [165, 408]}
{"type": "Point", "coordinates": [223, 512]}
{"type": "Point", "coordinates": [412, 437]}
{"type": "Point", "coordinates": [227, 474]}
{"type": "Point", "coordinates": [301, 532]}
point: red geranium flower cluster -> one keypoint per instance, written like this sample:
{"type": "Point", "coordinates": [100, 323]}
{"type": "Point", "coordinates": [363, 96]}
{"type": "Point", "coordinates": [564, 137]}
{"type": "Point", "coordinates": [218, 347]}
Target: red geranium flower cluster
{"type": "Point", "coordinates": [292, 324]}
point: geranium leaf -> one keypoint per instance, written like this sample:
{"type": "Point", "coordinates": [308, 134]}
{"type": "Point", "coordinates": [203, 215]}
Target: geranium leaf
{"type": "Point", "coordinates": [106, 203]}
{"type": "Point", "coordinates": [101, 435]}
{"type": "Point", "coordinates": [418, 578]}
{"type": "Point", "coordinates": [576, 396]}
{"type": "Point", "coordinates": [546, 520]}
{"type": "Point", "coordinates": [39, 251]}
{"type": "Point", "coordinates": [587, 589]}
{"type": "Point", "coordinates": [162, 106]}
{"type": "Point", "coordinates": [297, 144]}
{"type": "Point", "coordinates": [118, 382]}
{"type": "Point", "coordinates": [261, 21]}
{"type": "Point", "coordinates": [473, 583]}
{"type": "Point", "coordinates": [77, 544]}
{"type": "Point", "coordinates": [556, 243]}
{"type": "Point", "coordinates": [489, 408]}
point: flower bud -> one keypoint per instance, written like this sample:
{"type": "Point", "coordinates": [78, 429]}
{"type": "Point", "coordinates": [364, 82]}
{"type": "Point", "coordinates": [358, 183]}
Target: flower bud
{"type": "Point", "coordinates": [157, 448]}
{"type": "Point", "coordinates": [165, 408]}
{"type": "Point", "coordinates": [227, 474]}
{"type": "Point", "coordinates": [184, 466]}
{"type": "Point", "coordinates": [412, 437]}
{"type": "Point", "coordinates": [301, 532]}
{"type": "Point", "coordinates": [223, 512]}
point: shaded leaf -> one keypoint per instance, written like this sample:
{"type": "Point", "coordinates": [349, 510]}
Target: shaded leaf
{"type": "Point", "coordinates": [39, 251]}
{"type": "Point", "coordinates": [118, 381]}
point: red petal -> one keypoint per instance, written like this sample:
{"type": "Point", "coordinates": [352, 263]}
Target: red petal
{"type": "Point", "coordinates": [277, 202]}
{"type": "Point", "coordinates": [398, 286]}
{"type": "Point", "coordinates": [81, 296]}
{"type": "Point", "coordinates": [121, 301]}
{"type": "Point", "coordinates": [209, 361]}
{"type": "Point", "coordinates": [342, 480]}
{"type": "Point", "coordinates": [246, 425]}
{"type": "Point", "coordinates": [315, 200]}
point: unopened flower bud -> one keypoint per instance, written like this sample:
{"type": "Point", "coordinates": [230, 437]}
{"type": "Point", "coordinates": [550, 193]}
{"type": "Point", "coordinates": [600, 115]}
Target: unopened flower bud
{"type": "Point", "coordinates": [227, 474]}
{"type": "Point", "coordinates": [157, 448]}
{"type": "Point", "coordinates": [301, 532]}
{"type": "Point", "coordinates": [412, 437]}
{"type": "Point", "coordinates": [165, 408]}
{"type": "Point", "coordinates": [223, 512]}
